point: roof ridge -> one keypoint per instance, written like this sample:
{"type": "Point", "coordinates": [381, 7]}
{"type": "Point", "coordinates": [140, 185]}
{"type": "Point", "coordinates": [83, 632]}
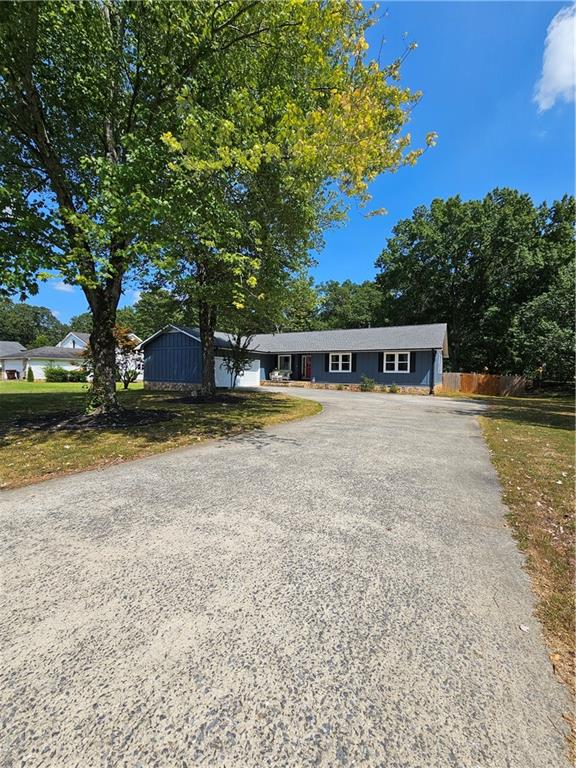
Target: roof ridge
{"type": "Point", "coordinates": [365, 328]}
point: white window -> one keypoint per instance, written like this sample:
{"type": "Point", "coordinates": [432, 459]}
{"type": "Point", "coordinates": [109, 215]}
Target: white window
{"type": "Point", "coordinates": [340, 362]}
{"type": "Point", "coordinates": [284, 362]}
{"type": "Point", "coordinates": [396, 362]}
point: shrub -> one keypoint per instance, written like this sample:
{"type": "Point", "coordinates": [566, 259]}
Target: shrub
{"type": "Point", "coordinates": [79, 375]}
{"type": "Point", "coordinates": [54, 374]}
{"type": "Point", "coordinates": [29, 374]}
{"type": "Point", "coordinates": [367, 384]}
{"type": "Point", "coordinates": [340, 386]}
{"type": "Point", "coordinates": [393, 389]}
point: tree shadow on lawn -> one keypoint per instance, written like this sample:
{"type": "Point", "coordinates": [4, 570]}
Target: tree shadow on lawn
{"type": "Point", "coordinates": [536, 412]}
{"type": "Point", "coordinates": [37, 423]}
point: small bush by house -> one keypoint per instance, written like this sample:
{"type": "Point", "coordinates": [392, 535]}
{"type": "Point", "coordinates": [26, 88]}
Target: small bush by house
{"type": "Point", "coordinates": [78, 376]}
{"type": "Point", "coordinates": [367, 384]}
{"type": "Point", "coordinates": [56, 374]}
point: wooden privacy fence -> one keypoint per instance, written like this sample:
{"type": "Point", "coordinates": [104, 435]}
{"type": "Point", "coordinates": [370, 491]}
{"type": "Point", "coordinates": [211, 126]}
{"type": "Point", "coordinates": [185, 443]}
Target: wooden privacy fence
{"type": "Point", "coordinates": [483, 384]}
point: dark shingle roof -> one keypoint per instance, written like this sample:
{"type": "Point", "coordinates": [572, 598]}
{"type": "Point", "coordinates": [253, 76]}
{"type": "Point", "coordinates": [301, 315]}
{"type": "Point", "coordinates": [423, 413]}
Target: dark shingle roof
{"type": "Point", "coordinates": [431, 336]}
{"type": "Point", "coordinates": [8, 348]}
{"type": "Point", "coordinates": [50, 353]}
{"type": "Point", "coordinates": [221, 339]}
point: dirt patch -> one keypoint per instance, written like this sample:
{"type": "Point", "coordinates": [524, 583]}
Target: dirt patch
{"type": "Point", "coordinates": [65, 420]}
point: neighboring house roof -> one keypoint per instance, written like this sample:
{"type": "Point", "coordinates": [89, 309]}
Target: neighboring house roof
{"type": "Point", "coordinates": [432, 336]}
{"type": "Point", "coordinates": [50, 353]}
{"type": "Point", "coordinates": [10, 348]}
{"type": "Point", "coordinates": [84, 338]}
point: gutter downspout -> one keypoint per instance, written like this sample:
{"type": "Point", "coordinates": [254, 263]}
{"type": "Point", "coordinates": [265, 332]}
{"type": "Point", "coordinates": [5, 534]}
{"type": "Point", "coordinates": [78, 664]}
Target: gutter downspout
{"type": "Point", "coordinates": [433, 352]}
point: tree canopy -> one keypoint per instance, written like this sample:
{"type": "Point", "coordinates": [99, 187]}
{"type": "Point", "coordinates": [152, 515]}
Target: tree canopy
{"type": "Point", "coordinates": [266, 149]}
{"type": "Point", "coordinates": [482, 266]}
{"type": "Point", "coordinates": [31, 326]}
{"type": "Point", "coordinates": [137, 130]}
{"type": "Point", "coordinates": [348, 304]}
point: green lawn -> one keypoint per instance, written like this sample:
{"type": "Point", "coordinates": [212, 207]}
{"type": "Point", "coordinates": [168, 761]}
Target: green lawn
{"type": "Point", "coordinates": [29, 454]}
{"type": "Point", "coordinates": [531, 440]}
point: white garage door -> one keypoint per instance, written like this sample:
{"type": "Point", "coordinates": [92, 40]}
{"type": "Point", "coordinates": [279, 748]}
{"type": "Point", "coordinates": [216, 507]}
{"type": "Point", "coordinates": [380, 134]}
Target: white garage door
{"type": "Point", "coordinates": [250, 378]}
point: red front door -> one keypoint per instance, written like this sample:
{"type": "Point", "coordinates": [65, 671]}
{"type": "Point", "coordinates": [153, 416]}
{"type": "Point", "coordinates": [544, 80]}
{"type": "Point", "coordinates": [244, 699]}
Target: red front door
{"type": "Point", "coordinates": [306, 366]}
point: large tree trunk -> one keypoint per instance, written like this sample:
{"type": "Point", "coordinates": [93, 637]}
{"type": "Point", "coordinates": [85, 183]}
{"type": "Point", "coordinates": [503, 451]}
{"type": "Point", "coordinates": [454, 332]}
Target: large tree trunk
{"type": "Point", "coordinates": [207, 322]}
{"type": "Point", "coordinates": [103, 303]}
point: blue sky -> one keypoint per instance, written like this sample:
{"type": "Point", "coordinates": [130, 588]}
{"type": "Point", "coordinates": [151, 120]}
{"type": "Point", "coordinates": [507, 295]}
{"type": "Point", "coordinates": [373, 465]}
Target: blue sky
{"type": "Point", "coordinates": [478, 64]}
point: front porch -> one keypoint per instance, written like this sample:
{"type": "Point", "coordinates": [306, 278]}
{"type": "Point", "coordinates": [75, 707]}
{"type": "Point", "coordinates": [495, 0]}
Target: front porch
{"type": "Point", "coordinates": [299, 365]}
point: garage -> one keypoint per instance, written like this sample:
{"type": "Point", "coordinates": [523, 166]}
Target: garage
{"type": "Point", "coordinates": [250, 377]}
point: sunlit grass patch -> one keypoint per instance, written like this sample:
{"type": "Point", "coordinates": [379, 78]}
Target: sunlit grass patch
{"type": "Point", "coordinates": [532, 444]}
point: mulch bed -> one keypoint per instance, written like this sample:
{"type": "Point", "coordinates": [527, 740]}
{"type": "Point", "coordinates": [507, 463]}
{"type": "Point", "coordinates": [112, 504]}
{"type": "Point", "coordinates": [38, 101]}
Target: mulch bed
{"type": "Point", "coordinates": [222, 399]}
{"type": "Point", "coordinates": [65, 420]}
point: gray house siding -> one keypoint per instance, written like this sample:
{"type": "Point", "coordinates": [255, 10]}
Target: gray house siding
{"type": "Point", "coordinates": [367, 363]}
{"type": "Point", "coordinates": [173, 357]}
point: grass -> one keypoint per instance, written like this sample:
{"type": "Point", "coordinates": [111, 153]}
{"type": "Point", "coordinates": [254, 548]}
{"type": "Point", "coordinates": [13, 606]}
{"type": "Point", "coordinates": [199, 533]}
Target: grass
{"type": "Point", "coordinates": [531, 440]}
{"type": "Point", "coordinates": [28, 455]}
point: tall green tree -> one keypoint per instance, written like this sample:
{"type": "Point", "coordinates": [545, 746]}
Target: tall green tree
{"type": "Point", "coordinates": [87, 90]}
{"type": "Point", "coordinates": [31, 326]}
{"type": "Point", "coordinates": [475, 264]}
{"type": "Point", "coordinates": [263, 148]}
{"type": "Point", "coordinates": [348, 304]}
{"type": "Point", "coordinates": [543, 339]}
{"type": "Point", "coordinates": [298, 305]}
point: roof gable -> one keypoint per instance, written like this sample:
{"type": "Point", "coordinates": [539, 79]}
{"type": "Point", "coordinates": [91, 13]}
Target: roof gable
{"type": "Point", "coordinates": [83, 338]}
{"type": "Point", "coordinates": [221, 339]}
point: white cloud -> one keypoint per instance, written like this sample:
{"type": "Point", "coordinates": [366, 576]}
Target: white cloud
{"type": "Point", "coordinates": [64, 287]}
{"type": "Point", "coordinates": [558, 79]}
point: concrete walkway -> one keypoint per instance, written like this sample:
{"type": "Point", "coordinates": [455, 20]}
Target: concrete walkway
{"type": "Point", "coordinates": [340, 591]}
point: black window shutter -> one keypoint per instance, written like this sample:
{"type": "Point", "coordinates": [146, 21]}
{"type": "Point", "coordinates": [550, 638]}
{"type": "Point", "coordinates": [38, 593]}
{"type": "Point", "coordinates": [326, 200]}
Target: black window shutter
{"type": "Point", "coordinates": [381, 362]}
{"type": "Point", "coordinates": [326, 362]}
{"type": "Point", "coordinates": [412, 362]}
{"type": "Point", "coordinates": [353, 361]}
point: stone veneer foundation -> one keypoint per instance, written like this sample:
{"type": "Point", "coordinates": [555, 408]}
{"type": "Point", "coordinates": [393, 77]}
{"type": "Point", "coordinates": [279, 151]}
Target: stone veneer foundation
{"type": "Point", "coordinates": [352, 387]}
{"type": "Point", "coordinates": [175, 386]}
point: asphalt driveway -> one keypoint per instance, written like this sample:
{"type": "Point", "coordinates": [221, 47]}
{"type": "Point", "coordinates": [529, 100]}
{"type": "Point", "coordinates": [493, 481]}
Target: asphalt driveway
{"type": "Point", "coordinates": [340, 591]}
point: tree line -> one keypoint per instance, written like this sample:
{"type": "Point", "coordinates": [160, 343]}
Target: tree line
{"type": "Point", "coordinates": [498, 271]}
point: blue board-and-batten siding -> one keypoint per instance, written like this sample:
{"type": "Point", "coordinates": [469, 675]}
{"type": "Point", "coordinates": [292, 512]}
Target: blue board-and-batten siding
{"type": "Point", "coordinates": [367, 364]}
{"type": "Point", "coordinates": [173, 357]}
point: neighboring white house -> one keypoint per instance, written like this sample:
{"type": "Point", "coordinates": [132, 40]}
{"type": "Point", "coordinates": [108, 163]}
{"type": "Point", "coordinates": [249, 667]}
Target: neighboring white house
{"type": "Point", "coordinates": [10, 362]}
{"type": "Point", "coordinates": [75, 340]}
{"type": "Point", "coordinates": [66, 354]}
{"type": "Point", "coordinates": [43, 357]}
{"type": "Point", "coordinates": [79, 340]}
